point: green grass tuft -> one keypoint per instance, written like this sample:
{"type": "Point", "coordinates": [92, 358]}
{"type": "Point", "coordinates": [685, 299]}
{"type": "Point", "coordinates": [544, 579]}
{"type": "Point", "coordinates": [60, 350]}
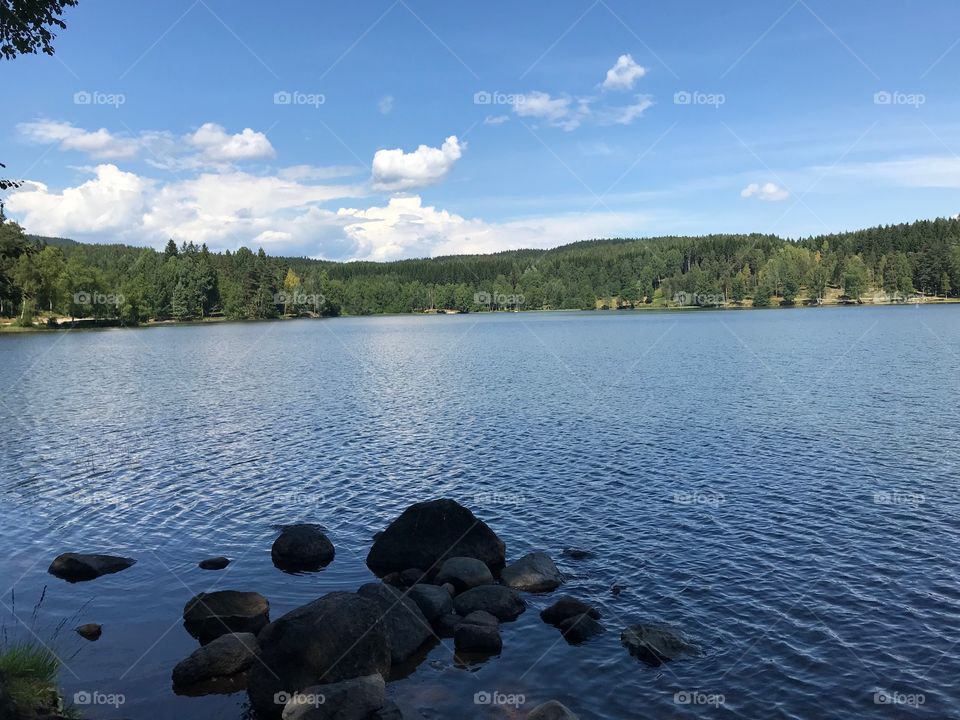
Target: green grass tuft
{"type": "Point", "coordinates": [28, 671]}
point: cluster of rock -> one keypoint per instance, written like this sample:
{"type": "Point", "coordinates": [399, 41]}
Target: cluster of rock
{"type": "Point", "coordinates": [443, 575]}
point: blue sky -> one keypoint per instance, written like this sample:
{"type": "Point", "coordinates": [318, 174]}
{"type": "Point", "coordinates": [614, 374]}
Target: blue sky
{"type": "Point", "coordinates": [383, 129]}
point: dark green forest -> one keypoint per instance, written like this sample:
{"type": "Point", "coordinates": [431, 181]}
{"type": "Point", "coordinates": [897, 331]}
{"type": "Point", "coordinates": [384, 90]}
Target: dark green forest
{"type": "Point", "coordinates": [45, 277]}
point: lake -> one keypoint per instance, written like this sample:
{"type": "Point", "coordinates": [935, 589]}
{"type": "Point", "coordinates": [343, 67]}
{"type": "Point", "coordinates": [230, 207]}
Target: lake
{"type": "Point", "coordinates": [780, 485]}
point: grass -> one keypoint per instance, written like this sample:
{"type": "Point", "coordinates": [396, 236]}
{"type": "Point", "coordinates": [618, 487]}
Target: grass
{"type": "Point", "coordinates": [28, 671]}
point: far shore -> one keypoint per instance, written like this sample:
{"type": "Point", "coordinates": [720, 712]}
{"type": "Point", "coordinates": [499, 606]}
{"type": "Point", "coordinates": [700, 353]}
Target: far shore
{"type": "Point", "coordinates": [9, 326]}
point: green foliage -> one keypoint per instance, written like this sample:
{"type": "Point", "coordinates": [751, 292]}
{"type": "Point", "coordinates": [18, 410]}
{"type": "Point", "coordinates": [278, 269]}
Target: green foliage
{"type": "Point", "coordinates": [188, 282]}
{"type": "Point", "coordinates": [28, 670]}
{"type": "Point", "coordinates": [25, 25]}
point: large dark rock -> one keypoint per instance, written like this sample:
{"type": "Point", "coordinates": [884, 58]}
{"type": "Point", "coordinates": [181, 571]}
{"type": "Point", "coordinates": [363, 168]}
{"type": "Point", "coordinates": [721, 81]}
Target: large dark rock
{"type": "Point", "coordinates": [337, 637]}
{"type": "Point", "coordinates": [464, 573]}
{"type": "Point", "coordinates": [478, 632]}
{"type": "Point", "coordinates": [210, 615]}
{"type": "Point", "coordinates": [429, 532]}
{"type": "Point", "coordinates": [227, 655]}
{"type": "Point", "coordinates": [354, 699]}
{"type": "Point", "coordinates": [406, 627]}
{"type": "Point", "coordinates": [77, 567]}
{"type": "Point", "coordinates": [501, 602]}
{"type": "Point", "coordinates": [535, 572]}
{"type": "Point", "coordinates": [552, 710]}
{"type": "Point", "coordinates": [434, 601]}
{"type": "Point", "coordinates": [302, 548]}
{"type": "Point", "coordinates": [567, 607]}
{"type": "Point", "coordinates": [580, 628]}
{"type": "Point", "coordinates": [655, 644]}
{"type": "Point", "coordinates": [446, 625]}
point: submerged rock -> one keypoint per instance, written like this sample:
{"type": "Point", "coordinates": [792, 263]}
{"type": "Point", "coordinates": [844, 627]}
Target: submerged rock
{"type": "Point", "coordinates": [478, 632]}
{"type": "Point", "coordinates": [227, 655]}
{"type": "Point", "coordinates": [501, 602]}
{"type": "Point", "coordinates": [214, 563]}
{"type": "Point", "coordinates": [337, 637]}
{"type": "Point", "coordinates": [427, 533]}
{"type": "Point", "coordinates": [552, 710]}
{"type": "Point", "coordinates": [565, 608]}
{"type": "Point", "coordinates": [464, 573]}
{"type": "Point", "coordinates": [535, 572]}
{"type": "Point", "coordinates": [580, 628]}
{"type": "Point", "coordinates": [90, 631]}
{"type": "Point", "coordinates": [577, 553]}
{"type": "Point", "coordinates": [406, 627]}
{"type": "Point", "coordinates": [655, 644]}
{"type": "Point", "coordinates": [302, 548]}
{"type": "Point", "coordinates": [354, 699]}
{"type": "Point", "coordinates": [78, 567]}
{"type": "Point", "coordinates": [210, 615]}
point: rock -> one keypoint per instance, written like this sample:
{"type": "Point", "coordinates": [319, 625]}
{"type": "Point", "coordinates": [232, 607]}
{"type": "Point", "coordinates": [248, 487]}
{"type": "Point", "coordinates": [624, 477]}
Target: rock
{"type": "Point", "coordinates": [227, 655]}
{"type": "Point", "coordinates": [567, 607]}
{"type": "Point", "coordinates": [449, 588]}
{"type": "Point", "coordinates": [427, 533]}
{"type": "Point", "coordinates": [214, 563]}
{"type": "Point", "coordinates": [90, 631]}
{"type": "Point", "coordinates": [552, 710]}
{"type": "Point", "coordinates": [302, 548]}
{"type": "Point", "coordinates": [446, 626]}
{"type": "Point", "coordinates": [396, 711]}
{"type": "Point", "coordinates": [478, 632]}
{"type": "Point", "coordinates": [77, 567]}
{"type": "Point", "coordinates": [354, 699]}
{"type": "Point", "coordinates": [210, 615]}
{"type": "Point", "coordinates": [463, 573]}
{"type": "Point", "coordinates": [617, 589]}
{"type": "Point", "coordinates": [337, 637]}
{"type": "Point", "coordinates": [406, 627]}
{"type": "Point", "coordinates": [577, 553]}
{"type": "Point", "coordinates": [535, 572]}
{"type": "Point", "coordinates": [432, 600]}
{"type": "Point", "coordinates": [501, 602]}
{"type": "Point", "coordinates": [406, 578]}
{"type": "Point", "coordinates": [580, 628]}
{"type": "Point", "coordinates": [655, 644]}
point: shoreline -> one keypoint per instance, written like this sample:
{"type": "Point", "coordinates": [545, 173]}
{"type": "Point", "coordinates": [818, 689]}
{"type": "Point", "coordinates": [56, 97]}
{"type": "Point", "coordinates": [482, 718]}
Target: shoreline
{"type": "Point", "coordinates": [86, 324]}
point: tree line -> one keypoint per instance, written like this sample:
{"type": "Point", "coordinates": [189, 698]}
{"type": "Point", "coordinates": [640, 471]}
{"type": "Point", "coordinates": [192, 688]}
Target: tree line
{"type": "Point", "coordinates": [44, 277]}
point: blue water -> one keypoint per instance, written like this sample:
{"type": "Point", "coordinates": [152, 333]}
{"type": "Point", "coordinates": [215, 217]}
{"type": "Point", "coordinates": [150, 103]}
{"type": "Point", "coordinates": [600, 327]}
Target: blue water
{"type": "Point", "coordinates": [780, 485]}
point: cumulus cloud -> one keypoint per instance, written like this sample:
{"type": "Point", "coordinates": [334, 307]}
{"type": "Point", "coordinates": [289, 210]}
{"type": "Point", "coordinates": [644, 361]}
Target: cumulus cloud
{"type": "Point", "coordinates": [217, 145]}
{"type": "Point", "coordinates": [624, 74]}
{"type": "Point", "coordinates": [99, 144]}
{"type": "Point", "coordinates": [395, 170]}
{"type": "Point", "coordinates": [769, 192]}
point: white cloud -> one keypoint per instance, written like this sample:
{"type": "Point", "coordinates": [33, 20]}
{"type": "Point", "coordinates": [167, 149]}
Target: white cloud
{"type": "Point", "coordinates": [217, 145]}
{"type": "Point", "coordinates": [99, 144]}
{"type": "Point", "coordinates": [395, 170]}
{"type": "Point", "coordinates": [627, 114]}
{"type": "Point", "coordinates": [385, 105]}
{"type": "Point", "coordinates": [624, 74]}
{"type": "Point", "coordinates": [769, 192]}
{"type": "Point", "coordinates": [495, 119]}
{"type": "Point", "coordinates": [562, 112]}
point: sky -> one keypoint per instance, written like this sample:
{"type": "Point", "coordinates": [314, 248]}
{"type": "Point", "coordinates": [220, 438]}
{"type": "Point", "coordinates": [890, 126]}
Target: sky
{"type": "Point", "coordinates": [389, 129]}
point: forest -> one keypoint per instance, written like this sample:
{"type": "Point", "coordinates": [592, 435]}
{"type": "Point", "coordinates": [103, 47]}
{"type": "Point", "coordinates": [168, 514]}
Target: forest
{"type": "Point", "coordinates": [46, 278]}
